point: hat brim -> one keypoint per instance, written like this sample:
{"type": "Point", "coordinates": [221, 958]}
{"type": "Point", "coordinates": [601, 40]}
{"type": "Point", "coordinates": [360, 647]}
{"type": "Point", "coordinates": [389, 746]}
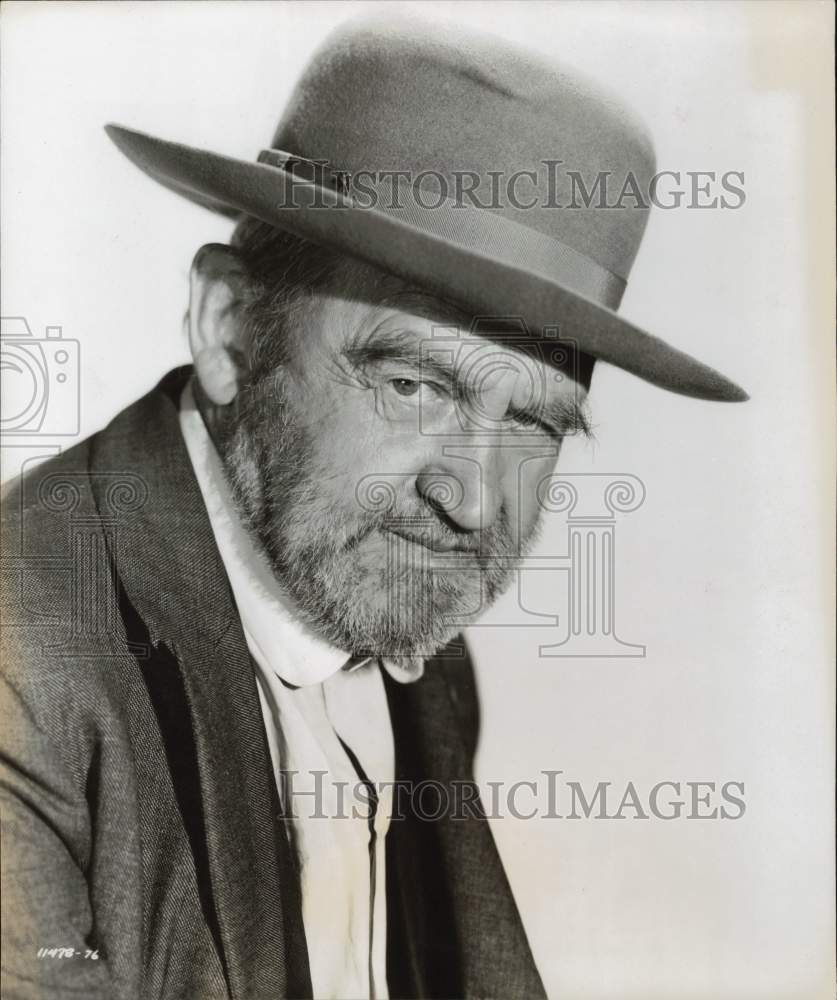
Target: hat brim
{"type": "Point", "coordinates": [476, 281]}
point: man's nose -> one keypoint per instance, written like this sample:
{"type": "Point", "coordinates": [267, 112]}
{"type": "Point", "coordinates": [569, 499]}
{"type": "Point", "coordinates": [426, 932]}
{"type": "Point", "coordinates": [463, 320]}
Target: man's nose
{"type": "Point", "coordinates": [466, 481]}
{"type": "Point", "coordinates": [465, 486]}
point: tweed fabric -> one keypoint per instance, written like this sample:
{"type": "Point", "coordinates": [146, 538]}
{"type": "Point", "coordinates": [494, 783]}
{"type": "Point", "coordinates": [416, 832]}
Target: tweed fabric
{"type": "Point", "coordinates": [140, 817]}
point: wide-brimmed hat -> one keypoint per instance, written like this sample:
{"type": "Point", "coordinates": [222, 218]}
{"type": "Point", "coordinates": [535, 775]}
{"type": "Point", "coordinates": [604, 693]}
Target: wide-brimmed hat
{"type": "Point", "coordinates": [479, 172]}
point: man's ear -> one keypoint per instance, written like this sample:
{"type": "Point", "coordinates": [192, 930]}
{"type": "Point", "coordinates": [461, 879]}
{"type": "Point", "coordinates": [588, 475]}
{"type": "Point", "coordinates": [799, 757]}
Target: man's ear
{"type": "Point", "coordinates": [218, 288]}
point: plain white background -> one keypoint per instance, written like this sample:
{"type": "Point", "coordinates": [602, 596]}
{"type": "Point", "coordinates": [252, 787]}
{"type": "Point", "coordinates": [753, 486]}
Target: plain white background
{"type": "Point", "coordinates": [724, 573]}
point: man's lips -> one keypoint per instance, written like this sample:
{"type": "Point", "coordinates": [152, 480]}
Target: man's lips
{"type": "Point", "coordinates": [441, 546]}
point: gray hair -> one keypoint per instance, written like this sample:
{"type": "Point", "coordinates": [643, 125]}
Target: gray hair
{"type": "Point", "coordinates": [285, 271]}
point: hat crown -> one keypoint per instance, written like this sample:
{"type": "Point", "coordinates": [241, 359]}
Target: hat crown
{"type": "Point", "coordinates": [481, 121]}
{"type": "Point", "coordinates": [439, 105]}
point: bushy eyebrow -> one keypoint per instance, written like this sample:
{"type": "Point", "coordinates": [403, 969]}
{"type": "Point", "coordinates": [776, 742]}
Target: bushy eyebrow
{"type": "Point", "coordinates": [398, 347]}
{"type": "Point", "coordinates": [560, 415]}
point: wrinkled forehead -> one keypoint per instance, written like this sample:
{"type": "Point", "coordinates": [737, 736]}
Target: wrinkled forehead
{"type": "Point", "coordinates": [372, 317]}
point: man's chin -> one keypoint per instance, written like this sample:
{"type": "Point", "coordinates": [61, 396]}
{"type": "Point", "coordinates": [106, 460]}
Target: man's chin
{"type": "Point", "coordinates": [407, 613]}
{"type": "Point", "coordinates": [411, 578]}
{"type": "Point", "coordinates": [369, 624]}
{"type": "Point", "coordinates": [376, 597]}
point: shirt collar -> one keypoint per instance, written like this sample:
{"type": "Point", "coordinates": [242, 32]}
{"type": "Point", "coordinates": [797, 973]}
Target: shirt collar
{"type": "Point", "coordinates": [271, 624]}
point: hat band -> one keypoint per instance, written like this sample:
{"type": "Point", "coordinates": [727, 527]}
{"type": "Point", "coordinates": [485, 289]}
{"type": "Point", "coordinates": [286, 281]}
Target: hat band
{"type": "Point", "coordinates": [474, 229]}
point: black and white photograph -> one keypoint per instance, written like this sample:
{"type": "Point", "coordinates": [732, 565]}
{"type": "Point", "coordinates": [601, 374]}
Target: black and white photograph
{"type": "Point", "coordinates": [418, 495]}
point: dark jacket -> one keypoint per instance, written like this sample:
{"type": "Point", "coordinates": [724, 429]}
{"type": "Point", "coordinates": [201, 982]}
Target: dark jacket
{"type": "Point", "coordinates": [140, 816]}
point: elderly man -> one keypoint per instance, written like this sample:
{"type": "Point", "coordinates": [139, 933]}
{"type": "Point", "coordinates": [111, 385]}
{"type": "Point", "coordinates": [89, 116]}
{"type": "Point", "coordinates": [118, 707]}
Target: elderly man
{"type": "Point", "coordinates": [236, 609]}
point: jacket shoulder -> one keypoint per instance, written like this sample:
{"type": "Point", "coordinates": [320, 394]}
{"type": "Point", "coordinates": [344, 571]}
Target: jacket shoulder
{"type": "Point", "coordinates": [64, 646]}
{"type": "Point", "coordinates": [61, 519]}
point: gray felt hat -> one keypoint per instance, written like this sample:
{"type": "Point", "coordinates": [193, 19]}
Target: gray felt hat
{"type": "Point", "coordinates": [468, 167]}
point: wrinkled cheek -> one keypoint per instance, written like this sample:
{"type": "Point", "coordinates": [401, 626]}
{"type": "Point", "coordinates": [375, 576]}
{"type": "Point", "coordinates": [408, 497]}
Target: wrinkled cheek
{"type": "Point", "coordinates": [528, 506]}
{"type": "Point", "coordinates": [529, 517]}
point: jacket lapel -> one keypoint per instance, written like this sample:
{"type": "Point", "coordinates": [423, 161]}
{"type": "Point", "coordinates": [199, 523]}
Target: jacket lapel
{"type": "Point", "coordinates": [453, 926]}
{"type": "Point", "coordinates": [169, 567]}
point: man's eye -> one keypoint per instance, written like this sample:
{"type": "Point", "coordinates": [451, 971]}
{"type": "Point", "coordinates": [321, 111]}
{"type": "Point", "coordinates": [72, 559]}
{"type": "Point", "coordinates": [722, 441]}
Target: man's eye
{"type": "Point", "coordinates": [528, 422]}
{"type": "Point", "coordinates": [405, 386]}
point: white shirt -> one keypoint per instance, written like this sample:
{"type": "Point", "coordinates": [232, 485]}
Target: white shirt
{"type": "Point", "coordinates": [310, 702]}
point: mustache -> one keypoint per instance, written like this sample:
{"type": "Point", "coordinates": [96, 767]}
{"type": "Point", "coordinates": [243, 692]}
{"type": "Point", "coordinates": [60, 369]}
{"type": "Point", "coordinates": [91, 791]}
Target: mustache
{"type": "Point", "coordinates": [436, 544]}
{"type": "Point", "coordinates": [425, 527]}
